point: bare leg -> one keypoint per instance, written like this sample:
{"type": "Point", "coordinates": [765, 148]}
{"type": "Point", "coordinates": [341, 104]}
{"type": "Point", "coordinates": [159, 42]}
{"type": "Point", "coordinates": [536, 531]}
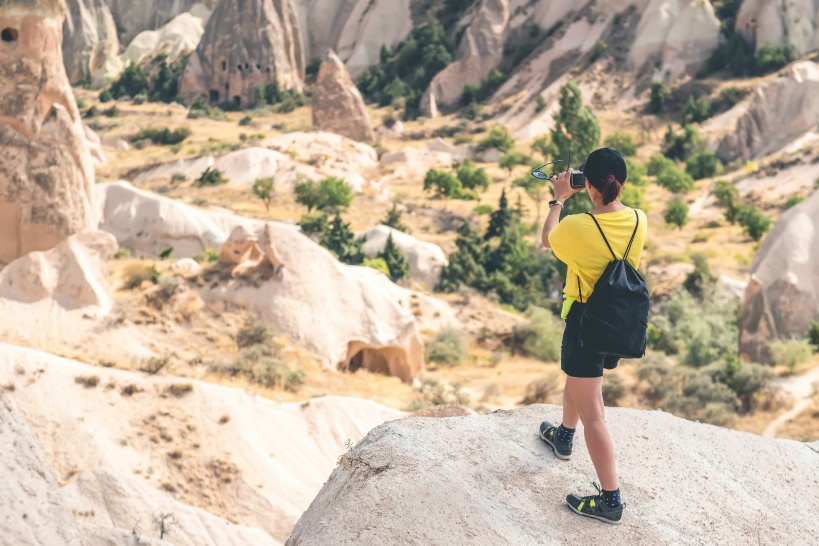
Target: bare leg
{"type": "Point", "coordinates": [587, 394]}
{"type": "Point", "coordinates": [570, 414]}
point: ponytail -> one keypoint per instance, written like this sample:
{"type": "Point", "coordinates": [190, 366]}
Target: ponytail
{"type": "Point", "coordinates": [611, 189]}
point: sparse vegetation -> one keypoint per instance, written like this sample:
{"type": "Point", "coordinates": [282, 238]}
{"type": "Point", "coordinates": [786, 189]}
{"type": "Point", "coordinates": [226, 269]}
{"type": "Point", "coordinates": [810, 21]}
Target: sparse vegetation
{"type": "Point", "coordinates": [727, 196]}
{"type": "Point", "coordinates": [793, 201]}
{"type": "Point", "coordinates": [613, 390]}
{"type": "Point", "coordinates": [253, 332]}
{"type": "Point", "coordinates": [260, 364]}
{"type": "Point", "coordinates": [448, 347]}
{"type": "Point", "coordinates": [153, 365]}
{"type": "Point", "coordinates": [676, 214]}
{"type": "Point", "coordinates": [696, 110]}
{"type": "Point", "coordinates": [164, 136]}
{"type": "Point", "coordinates": [209, 178]}
{"type": "Point", "coordinates": [393, 219]}
{"type": "Point", "coordinates": [539, 338]}
{"type": "Point", "coordinates": [703, 165]}
{"type": "Point", "coordinates": [281, 100]}
{"type": "Point", "coordinates": [87, 381]}
{"type": "Point", "coordinates": [680, 146]}
{"type": "Point", "coordinates": [753, 221]}
{"type": "Point", "coordinates": [134, 275]}
{"type": "Point", "coordinates": [542, 391]}
{"type": "Point", "coordinates": [659, 95]}
{"type": "Point", "coordinates": [263, 189]}
{"type": "Point", "coordinates": [623, 142]}
{"type": "Point", "coordinates": [498, 138]}
{"type": "Point", "coordinates": [790, 353]}
{"type": "Point", "coordinates": [180, 389]}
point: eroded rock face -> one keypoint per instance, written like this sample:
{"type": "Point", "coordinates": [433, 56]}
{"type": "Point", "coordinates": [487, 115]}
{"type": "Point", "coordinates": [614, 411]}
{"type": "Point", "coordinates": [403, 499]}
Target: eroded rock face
{"type": "Point", "coordinates": [338, 106]}
{"type": "Point", "coordinates": [135, 16]}
{"type": "Point", "coordinates": [246, 45]}
{"type": "Point", "coordinates": [777, 114]}
{"type": "Point", "coordinates": [89, 38]}
{"type": "Point", "coordinates": [46, 172]}
{"type": "Point", "coordinates": [794, 23]}
{"type": "Point", "coordinates": [782, 297]}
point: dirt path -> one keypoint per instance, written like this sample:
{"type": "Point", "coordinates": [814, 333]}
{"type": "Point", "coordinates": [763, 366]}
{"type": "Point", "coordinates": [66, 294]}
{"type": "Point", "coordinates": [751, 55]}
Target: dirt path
{"type": "Point", "coordinates": [801, 388]}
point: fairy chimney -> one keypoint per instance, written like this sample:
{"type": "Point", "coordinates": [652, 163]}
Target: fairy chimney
{"type": "Point", "coordinates": [46, 174]}
{"type": "Point", "coordinates": [338, 106]}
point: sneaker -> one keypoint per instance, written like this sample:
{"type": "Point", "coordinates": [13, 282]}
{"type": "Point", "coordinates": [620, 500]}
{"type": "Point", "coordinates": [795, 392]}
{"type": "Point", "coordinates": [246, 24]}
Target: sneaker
{"type": "Point", "coordinates": [594, 506]}
{"type": "Point", "coordinates": [548, 433]}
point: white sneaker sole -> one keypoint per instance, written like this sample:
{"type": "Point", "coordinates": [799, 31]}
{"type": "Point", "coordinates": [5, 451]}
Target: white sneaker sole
{"type": "Point", "coordinates": [604, 520]}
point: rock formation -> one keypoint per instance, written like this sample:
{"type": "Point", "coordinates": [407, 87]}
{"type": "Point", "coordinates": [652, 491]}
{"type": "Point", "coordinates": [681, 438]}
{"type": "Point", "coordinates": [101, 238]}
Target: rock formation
{"type": "Point", "coordinates": [33, 512]}
{"type": "Point", "coordinates": [247, 44]}
{"type": "Point", "coordinates": [794, 23]}
{"type": "Point", "coordinates": [782, 297]}
{"type": "Point", "coordinates": [489, 479]}
{"type": "Point", "coordinates": [243, 252]}
{"type": "Point", "coordinates": [89, 38]}
{"type": "Point", "coordinates": [425, 259]}
{"type": "Point", "coordinates": [355, 29]}
{"type": "Point", "coordinates": [45, 167]}
{"type": "Point", "coordinates": [337, 105]}
{"type": "Point", "coordinates": [73, 274]}
{"type": "Point", "coordinates": [776, 114]}
{"type": "Point", "coordinates": [134, 17]}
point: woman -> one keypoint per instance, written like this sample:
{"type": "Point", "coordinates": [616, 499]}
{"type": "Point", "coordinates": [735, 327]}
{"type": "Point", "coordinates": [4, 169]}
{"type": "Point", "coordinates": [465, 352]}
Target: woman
{"type": "Point", "coordinates": [578, 243]}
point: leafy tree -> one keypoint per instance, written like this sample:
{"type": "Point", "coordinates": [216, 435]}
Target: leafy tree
{"type": "Point", "coordinates": [313, 222]}
{"type": "Point", "coordinates": [307, 194]}
{"type": "Point", "coordinates": [659, 94]}
{"type": "Point", "coordinates": [163, 136]}
{"type": "Point", "coordinates": [471, 176]}
{"type": "Point", "coordinates": [701, 280]}
{"type": "Point", "coordinates": [340, 239]}
{"type": "Point", "coordinates": [658, 163]}
{"type": "Point", "coordinates": [210, 177]}
{"type": "Point", "coordinates": [395, 260]}
{"type": "Point", "coordinates": [576, 129]}
{"type": "Point", "coordinates": [444, 184]}
{"type": "Point", "coordinates": [633, 196]}
{"type": "Point", "coordinates": [675, 180]}
{"type": "Point", "coordinates": [500, 219]}
{"type": "Point", "coordinates": [105, 96]}
{"type": "Point", "coordinates": [510, 160]}
{"type": "Point", "coordinates": [164, 85]}
{"type": "Point", "coordinates": [681, 146]}
{"type": "Point", "coordinates": [263, 189]}
{"type": "Point", "coordinates": [813, 335]}
{"type": "Point", "coordinates": [473, 111]}
{"type": "Point", "coordinates": [331, 194]}
{"type": "Point", "coordinates": [636, 173]}
{"type": "Point", "coordinates": [622, 142]}
{"type": "Point", "coordinates": [545, 146]}
{"type": "Point", "coordinates": [131, 83]}
{"type": "Point", "coordinates": [393, 219]}
{"type": "Point", "coordinates": [727, 195]}
{"type": "Point", "coordinates": [677, 213]}
{"type": "Point", "coordinates": [771, 58]}
{"type": "Point", "coordinates": [753, 221]}
{"type": "Point", "coordinates": [703, 165]}
{"type": "Point", "coordinates": [696, 110]}
{"type": "Point", "coordinates": [498, 138]}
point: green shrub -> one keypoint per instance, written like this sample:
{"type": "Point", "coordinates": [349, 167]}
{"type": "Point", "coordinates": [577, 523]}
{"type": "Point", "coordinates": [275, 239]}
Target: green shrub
{"type": "Point", "coordinates": [540, 104]}
{"type": "Point", "coordinates": [132, 82]}
{"type": "Point", "coordinates": [730, 96]}
{"type": "Point", "coordinates": [471, 176]}
{"type": "Point", "coordinates": [135, 274]}
{"type": "Point", "coordinates": [105, 96]}
{"type": "Point", "coordinates": [680, 146]}
{"type": "Point", "coordinates": [163, 136]}
{"type": "Point", "coordinates": [623, 142]}
{"type": "Point", "coordinates": [633, 196]}
{"type": "Point", "coordinates": [340, 239]}
{"type": "Point", "coordinates": [393, 219]}
{"type": "Point", "coordinates": [201, 109]}
{"type": "Point", "coordinates": [253, 332]}
{"type": "Point", "coordinates": [771, 58]}
{"type": "Point", "coordinates": [111, 112]}
{"type": "Point", "coordinates": [704, 399]}
{"type": "Point", "coordinates": [659, 163]}
{"type": "Point", "coordinates": [696, 110]}
{"type": "Point", "coordinates": [790, 353]}
{"type": "Point", "coordinates": [540, 337]}
{"type": "Point", "coordinates": [613, 390]}
{"type": "Point", "coordinates": [331, 194]}
{"type": "Point", "coordinates": [394, 258]}
{"type": "Point", "coordinates": [493, 81]}
{"type": "Point", "coordinates": [444, 184]}
{"type": "Point", "coordinates": [498, 138]}
{"type": "Point", "coordinates": [813, 335]}
{"type": "Point", "coordinates": [703, 165]}
{"type": "Point", "coordinates": [700, 281]}
{"type": "Point", "coordinates": [657, 378]}
{"type": "Point", "coordinates": [211, 255]}
{"type": "Point", "coordinates": [314, 222]}
{"type": "Point", "coordinates": [448, 347]}
{"type": "Point", "coordinates": [636, 172]}
{"type": "Point", "coordinates": [793, 201]}
{"type": "Point", "coordinates": [727, 196]}
{"type": "Point", "coordinates": [261, 366]}
{"type": "Point", "coordinates": [473, 111]}
{"type": "Point", "coordinates": [677, 213]}
{"type": "Point", "coordinates": [659, 94]}
{"type": "Point", "coordinates": [748, 382]}
{"type": "Point", "coordinates": [378, 264]}
{"type": "Point", "coordinates": [263, 189]}
{"type": "Point", "coordinates": [598, 50]}
{"type": "Point", "coordinates": [245, 121]}
{"type": "Point", "coordinates": [483, 209]}
{"type": "Point", "coordinates": [210, 177]}
{"type": "Point", "coordinates": [541, 391]}
{"type": "Point", "coordinates": [753, 221]}
{"type": "Point", "coordinates": [675, 180]}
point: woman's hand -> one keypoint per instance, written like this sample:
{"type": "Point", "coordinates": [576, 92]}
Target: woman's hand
{"type": "Point", "coordinates": [562, 186]}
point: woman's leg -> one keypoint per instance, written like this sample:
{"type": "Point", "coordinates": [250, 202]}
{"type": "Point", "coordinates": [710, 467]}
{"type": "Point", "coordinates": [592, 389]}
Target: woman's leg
{"type": "Point", "coordinates": [570, 414]}
{"type": "Point", "coordinates": [587, 395]}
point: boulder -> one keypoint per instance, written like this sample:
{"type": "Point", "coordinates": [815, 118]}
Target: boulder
{"type": "Point", "coordinates": [337, 105]}
{"type": "Point", "coordinates": [458, 152]}
{"type": "Point", "coordinates": [394, 129]}
{"type": "Point", "coordinates": [186, 267]}
{"type": "Point", "coordinates": [425, 259]}
{"type": "Point", "coordinates": [489, 479]}
{"type": "Point", "coordinates": [246, 45]}
{"type": "Point", "coordinates": [243, 251]}
{"type": "Point", "coordinates": [355, 29]}
{"type": "Point", "coordinates": [73, 274]}
{"type": "Point", "coordinates": [794, 23]}
{"type": "Point", "coordinates": [134, 17]}
{"type": "Point", "coordinates": [46, 172]}
{"type": "Point", "coordinates": [33, 512]}
{"type": "Point", "coordinates": [782, 297]}
{"type": "Point", "coordinates": [777, 114]}
{"type": "Point", "coordinates": [89, 38]}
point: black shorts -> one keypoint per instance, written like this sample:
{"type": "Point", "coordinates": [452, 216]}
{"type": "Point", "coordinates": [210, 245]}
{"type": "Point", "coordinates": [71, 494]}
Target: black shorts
{"type": "Point", "coordinates": [576, 362]}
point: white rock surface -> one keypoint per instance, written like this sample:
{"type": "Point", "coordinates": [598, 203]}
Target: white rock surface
{"type": "Point", "coordinates": [782, 297]}
{"type": "Point", "coordinates": [489, 479]}
{"type": "Point", "coordinates": [89, 38]}
{"type": "Point", "coordinates": [795, 23]}
{"type": "Point", "coordinates": [134, 17]}
{"type": "Point", "coordinates": [426, 259]}
{"type": "Point", "coordinates": [260, 468]}
{"type": "Point", "coordinates": [778, 113]}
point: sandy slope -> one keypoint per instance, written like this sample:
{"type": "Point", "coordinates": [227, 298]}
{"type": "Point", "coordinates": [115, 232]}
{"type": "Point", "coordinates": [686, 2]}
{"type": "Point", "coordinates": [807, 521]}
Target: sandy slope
{"type": "Point", "coordinates": [489, 479]}
{"type": "Point", "coordinates": [236, 455]}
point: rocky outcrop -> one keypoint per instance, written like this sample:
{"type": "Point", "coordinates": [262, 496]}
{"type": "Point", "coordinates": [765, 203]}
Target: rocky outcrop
{"type": "Point", "coordinates": [89, 38]}
{"type": "Point", "coordinates": [73, 274]}
{"type": "Point", "coordinates": [244, 252]}
{"type": "Point", "coordinates": [46, 172]}
{"type": "Point", "coordinates": [33, 512]}
{"type": "Point", "coordinates": [246, 45]}
{"type": "Point", "coordinates": [794, 23]}
{"type": "Point", "coordinates": [355, 29]}
{"type": "Point", "coordinates": [338, 106]}
{"type": "Point", "coordinates": [782, 297]}
{"type": "Point", "coordinates": [480, 51]}
{"type": "Point", "coordinates": [134, 17]}
{"type": "Point", "coordinates": [775, 115]}
{"type": "Point", "coordinates": [489, 479]}
{"type": "Point", "coordinates": [425, 259]}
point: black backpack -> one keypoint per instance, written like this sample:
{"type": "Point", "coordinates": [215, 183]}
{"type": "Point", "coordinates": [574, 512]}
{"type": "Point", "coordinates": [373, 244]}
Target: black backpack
{"type": "Point", "coordinates": [615, 317]}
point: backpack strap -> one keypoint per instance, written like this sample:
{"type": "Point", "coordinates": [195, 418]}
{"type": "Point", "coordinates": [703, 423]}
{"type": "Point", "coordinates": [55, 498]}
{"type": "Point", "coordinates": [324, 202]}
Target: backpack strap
{"type": "Point", "coordinates": [632, 235]}
{"type": "Point", "coordinates": [603, 234]}
{"type": "Point", "coordinates": [579, 291]}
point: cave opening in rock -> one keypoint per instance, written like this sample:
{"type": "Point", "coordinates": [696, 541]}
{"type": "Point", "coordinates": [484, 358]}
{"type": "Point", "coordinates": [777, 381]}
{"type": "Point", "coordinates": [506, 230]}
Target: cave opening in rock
{"type": "Point", "coordinates": [214, 96]}
{"type": "Point", "coordinates": [9, 35]}
{"type": "Point", "coordinates": [237, 101]}
{"type": "Point", "coordinates": [381, 360]}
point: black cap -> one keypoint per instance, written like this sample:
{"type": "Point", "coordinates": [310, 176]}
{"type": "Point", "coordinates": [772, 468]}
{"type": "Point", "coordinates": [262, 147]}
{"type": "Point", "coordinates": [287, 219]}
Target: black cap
{"type": "Point", "coordinates": [603, 162]}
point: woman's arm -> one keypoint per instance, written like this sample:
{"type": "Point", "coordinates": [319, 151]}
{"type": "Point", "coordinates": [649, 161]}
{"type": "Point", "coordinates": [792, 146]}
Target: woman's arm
{"type": "Point", "coordinates": [562, 192]}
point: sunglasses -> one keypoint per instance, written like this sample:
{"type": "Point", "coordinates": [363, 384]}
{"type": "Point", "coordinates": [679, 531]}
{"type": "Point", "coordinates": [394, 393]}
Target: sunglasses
{"type": "Point", "coordinates": [541, 175]}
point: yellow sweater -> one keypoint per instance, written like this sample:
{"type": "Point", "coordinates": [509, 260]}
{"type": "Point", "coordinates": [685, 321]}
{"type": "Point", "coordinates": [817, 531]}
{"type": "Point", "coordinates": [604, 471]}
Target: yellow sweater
{"type": "Point", "coordinates": [577, 242]}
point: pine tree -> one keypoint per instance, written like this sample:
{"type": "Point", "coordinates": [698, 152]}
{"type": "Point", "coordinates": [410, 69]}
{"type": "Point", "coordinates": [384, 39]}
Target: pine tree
{"type": "Point", "coordinates": [340, 239]}
{"type": "Point", "coordinates": [465, 264]}
{"type": "Point", "coordinates": [393, 219]}
{"type": "Point", "coordinates": [520, 210]}
{"type": "Point", "coordinates": [396, 262]}
{"type": "Point", "coordinates": [500, 219]}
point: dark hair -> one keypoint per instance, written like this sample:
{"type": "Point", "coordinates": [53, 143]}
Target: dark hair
{"type": "Point", "coordinates": [611, 189]}
{"type": "Point", "coordinates": [606, 170]}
